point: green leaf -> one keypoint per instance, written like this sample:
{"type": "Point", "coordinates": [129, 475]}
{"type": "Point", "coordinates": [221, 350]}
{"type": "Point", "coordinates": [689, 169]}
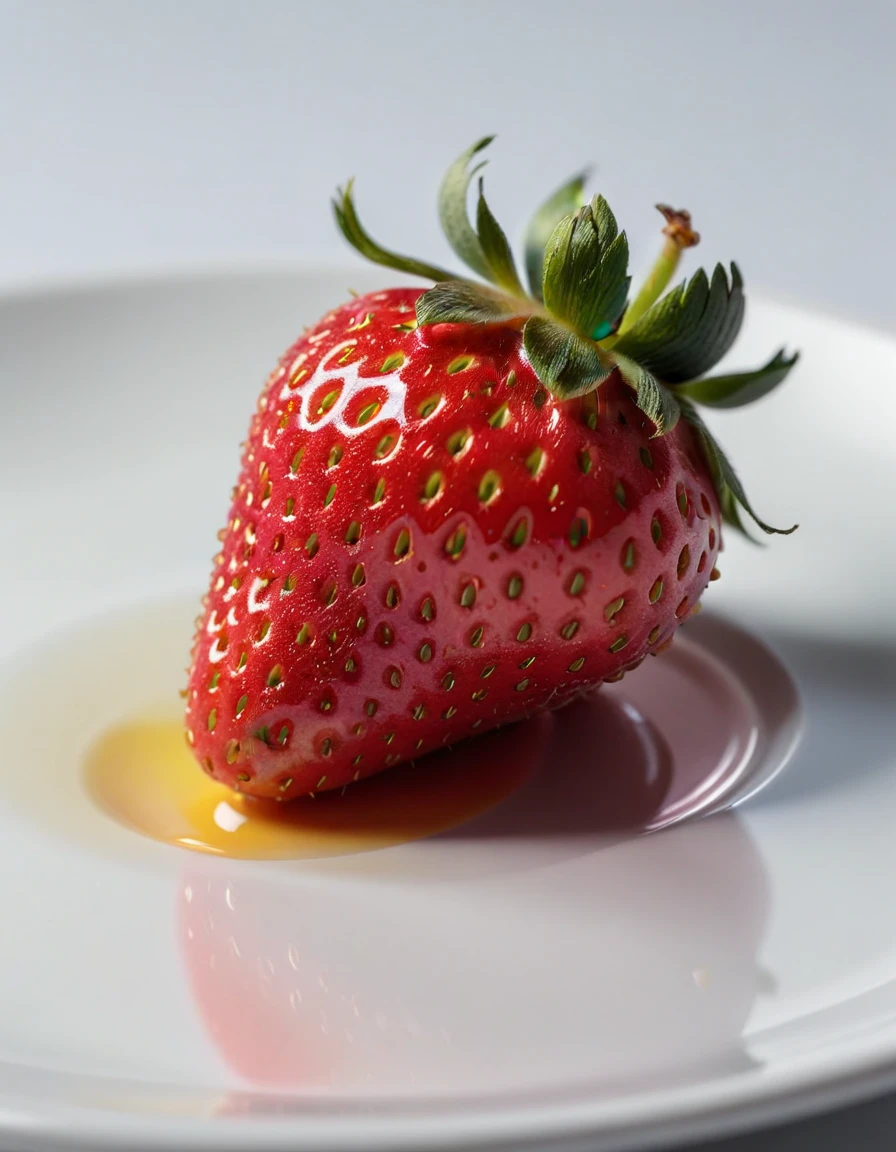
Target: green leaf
{"type": "Point", "coordinates": [728, 329]}
{"type": "Point", "coordinates": [740, 388]}
{"type": "Point", "coordinates": [654, 399]}
{"type": "Point", "coordinates": [495, 247]}
{"type": "Point", "coordinates": [359, 238]}
{"type": "Point", "coordinates": [557, 288]}
{"type": "Point", "coordinates": [604, 220]}
{"type": "Point", "coordinates": [690, 329]}
{"type": "Point", "coordinates": [567, 364]}
{"type": "Point", "coordinates": [731, 492]}
{"type": "Point", "coordinates": [462, 302]}
{"type": "Point", "coordinates": [669, 327]}
{"type": "Point", "coordinates": [564, 202]}
{"type": "Point", "coordinates": [584, 280]}
{"type": "Point", "coordinates": [615, 280]}
{"type": "Point", "coordinates": [453, 209]}
{"type": "Point", "coordinates": [732, 517]}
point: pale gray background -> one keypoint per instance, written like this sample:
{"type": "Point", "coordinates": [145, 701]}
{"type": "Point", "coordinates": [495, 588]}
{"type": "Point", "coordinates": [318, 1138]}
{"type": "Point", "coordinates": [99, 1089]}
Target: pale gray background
{"type": "Point", "coordinates": [184, 133]}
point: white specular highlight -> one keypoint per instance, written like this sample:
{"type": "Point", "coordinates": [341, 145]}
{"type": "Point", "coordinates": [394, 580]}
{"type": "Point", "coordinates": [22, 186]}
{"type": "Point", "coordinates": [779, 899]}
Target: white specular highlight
{"type": "Point", "coordinates": [353, 384]}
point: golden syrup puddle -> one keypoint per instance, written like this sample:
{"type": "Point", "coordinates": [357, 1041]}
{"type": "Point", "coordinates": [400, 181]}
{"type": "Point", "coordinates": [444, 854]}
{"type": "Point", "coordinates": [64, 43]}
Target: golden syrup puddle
{"type": "Point", "coordinates": [112, 746]}
{"type": "Point", "coordinates": [142, 774]}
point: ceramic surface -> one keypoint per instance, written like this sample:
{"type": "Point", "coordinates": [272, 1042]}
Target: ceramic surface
{"type": "Point", "coordinates": [533, 978]}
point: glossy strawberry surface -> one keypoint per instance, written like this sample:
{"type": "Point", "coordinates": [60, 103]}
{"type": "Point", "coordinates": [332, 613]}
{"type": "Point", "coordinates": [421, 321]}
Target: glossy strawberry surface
{"type": "Point", "coordinates": [424, 543]}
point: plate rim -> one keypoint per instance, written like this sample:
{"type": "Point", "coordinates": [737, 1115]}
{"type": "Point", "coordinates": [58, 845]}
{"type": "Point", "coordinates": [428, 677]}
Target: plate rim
{"type": "Point", "coordinates": [126, 277]}
{"type": "Point", "coordinates": [722, 1108]}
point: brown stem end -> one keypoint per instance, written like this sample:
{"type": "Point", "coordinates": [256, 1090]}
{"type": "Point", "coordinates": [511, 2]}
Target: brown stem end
{"type": "Point", "coordinates": [678, 226]}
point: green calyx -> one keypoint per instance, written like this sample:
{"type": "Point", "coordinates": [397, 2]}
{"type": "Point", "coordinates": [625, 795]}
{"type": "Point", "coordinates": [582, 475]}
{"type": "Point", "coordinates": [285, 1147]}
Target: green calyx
{"type": "Point", "coordinates": [578, 324]}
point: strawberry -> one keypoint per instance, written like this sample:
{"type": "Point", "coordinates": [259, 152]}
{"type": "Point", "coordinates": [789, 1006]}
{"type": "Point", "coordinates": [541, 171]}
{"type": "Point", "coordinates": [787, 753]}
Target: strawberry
{"type": "Point", "coordinates": [462, 505]}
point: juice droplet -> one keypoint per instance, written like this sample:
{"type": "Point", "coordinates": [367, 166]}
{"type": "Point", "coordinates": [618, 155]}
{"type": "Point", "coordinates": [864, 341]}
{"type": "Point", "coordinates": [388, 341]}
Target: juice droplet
{"type": "Point", "coordinates": [141, 773]}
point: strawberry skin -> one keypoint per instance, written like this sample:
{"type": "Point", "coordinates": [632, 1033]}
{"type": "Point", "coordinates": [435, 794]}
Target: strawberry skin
{"type": "Point", "coordinates": [425, 543]}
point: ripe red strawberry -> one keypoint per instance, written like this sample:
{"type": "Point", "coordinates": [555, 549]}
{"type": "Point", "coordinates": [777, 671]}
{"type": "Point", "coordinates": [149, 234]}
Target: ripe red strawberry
{"type": "Point", "coordinates": [462, 505]}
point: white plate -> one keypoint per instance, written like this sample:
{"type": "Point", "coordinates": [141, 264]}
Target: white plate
{"type": "Point", "coordinates": [510, 984]}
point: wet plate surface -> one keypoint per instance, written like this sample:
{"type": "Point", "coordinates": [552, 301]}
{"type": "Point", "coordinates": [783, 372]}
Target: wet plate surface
{"type": "Point", "coordinates": [500, 956]}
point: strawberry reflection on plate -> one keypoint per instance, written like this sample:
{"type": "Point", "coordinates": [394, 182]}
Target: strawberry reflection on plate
{"type": "Point", "coordinates": [344, 979]}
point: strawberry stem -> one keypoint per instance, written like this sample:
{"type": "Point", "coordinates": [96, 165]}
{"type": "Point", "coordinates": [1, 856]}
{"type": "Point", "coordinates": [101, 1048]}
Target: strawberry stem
{"type": "Point", "coordinates": [678, 235]}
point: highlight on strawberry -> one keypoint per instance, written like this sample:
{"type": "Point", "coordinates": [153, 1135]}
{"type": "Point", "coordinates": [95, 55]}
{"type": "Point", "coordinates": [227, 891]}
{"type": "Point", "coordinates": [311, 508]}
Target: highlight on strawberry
{"type": "Point", "coordinates": [463, 504]}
